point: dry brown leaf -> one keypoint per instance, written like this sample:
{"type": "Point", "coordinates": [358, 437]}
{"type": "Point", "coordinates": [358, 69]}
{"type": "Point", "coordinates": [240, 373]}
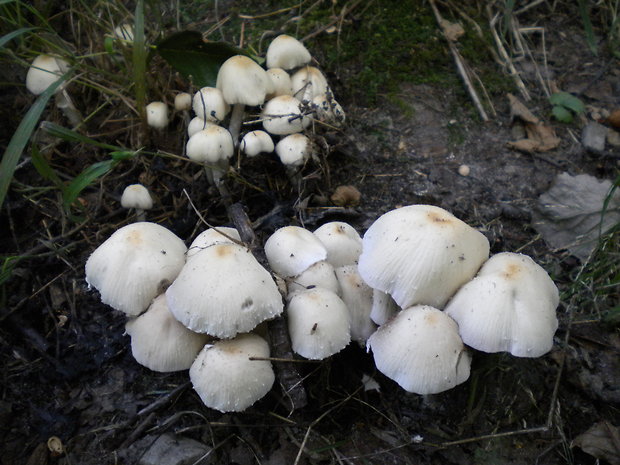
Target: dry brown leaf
{"type": "Point", "coordinates": [601, 441]}
{"type": "Point", "coordinates": [346, 196]}
{"type": "Point", "coordinates": [519, 110]}
{"type": "Point", "coordinates": [540, 138]}
{"type": "Point", "coordinates": [614, 119]}
{"type": "Point", "coordinates": [452, 31]}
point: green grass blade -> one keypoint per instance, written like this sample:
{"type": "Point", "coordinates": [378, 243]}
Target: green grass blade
{"type": "Point", "coordinates": [139, 61]}
{"type": "Point", "coordinates": [43, 167]}
{"type": "Point", "coordinates": [70, 135]}
{"type": "Point", "coordinates": [22, 136]}
{"type": "Point", "coordinates": [84, 179]}
{"type": "Point", "coordinates": [587, 26]}
{"type": "Point", "coordinates": [11, 35]}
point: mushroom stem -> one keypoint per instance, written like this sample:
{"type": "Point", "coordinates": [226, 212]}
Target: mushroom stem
{"type": "Point", "coordinates": [65, 104]}
{"type": "Point", "coordinates": [236, 118]}
{"type": "Point", "coordinates": [140, 215]}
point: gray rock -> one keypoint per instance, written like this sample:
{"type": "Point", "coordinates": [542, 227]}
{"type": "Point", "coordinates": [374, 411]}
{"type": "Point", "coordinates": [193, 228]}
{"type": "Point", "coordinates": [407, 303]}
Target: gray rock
{"type": "Point", "coordinates": [169, 449]}
{"type": "Point", "coordinates": [593, 137]}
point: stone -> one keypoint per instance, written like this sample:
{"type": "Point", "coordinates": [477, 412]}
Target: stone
{"type": "Point", "coordinates": [593, 137]}
{"type": "Point", "coordinates": [169, 449]}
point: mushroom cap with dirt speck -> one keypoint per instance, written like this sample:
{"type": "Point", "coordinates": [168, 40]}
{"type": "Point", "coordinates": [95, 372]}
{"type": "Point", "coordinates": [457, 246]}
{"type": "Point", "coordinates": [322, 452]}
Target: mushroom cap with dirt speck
{"type": "Point", "coordinates": [243, 81]}
{"type": "Point", "coordinates": [157, 115]}
{"type": "Point", "coordinates": [281, 83]}
{"type": "Point", "coordinates": [159, 342]}
{"type": "Point", "coordinates": [133, 265]}
{"type": "Point", "coordinates": [357, 296]}
{"type": "Point", "coordinates": [421, 254]}
{"type": "Point", "coordinates": [210, 145]}
{"type": "Point", "coordinates": [308, 82]}
{"type": "Point", "coordinates": [318, 323]}
{"type": "Point", "coordinates": [255, 142]}
{"type": "Point", "coordinates": [420, 349]}
{"type": "Point", "coordinates": [225, 377]}
{"type": "Point", "coordinates": [286, 52]}
{"type": "Point", "coordinates": [321, 274]}
{"type": "Point", "coordinates": [212, 236]}
{"type": "Point", "coordinates": [342, 241]}
{"type": "Point", "coordinates": [223, 290]}
{"type": "Point", "coordinates": [510, 306]}
{"type": "Point", "coordinates": [44, 71]}
{"type": "Point", "coordinates": [294, 150]}
{"type": "Point", "coordinates": [209, 104]}
{"type": "Point", "coordinates": [282, 115]}
{"type": "Point", "coordinates": [291, 250]}
{"type": "Point", "coordinates": [136, 196]}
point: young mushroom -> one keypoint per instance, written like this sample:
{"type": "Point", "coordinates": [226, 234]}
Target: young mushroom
{"type": "Point", "coordinates": [286, 52]}
{"type": "Point", "coordinates": [212, 147]}
{"type": "Point", "coordinates": [157, 115]}
{"type": "Point", "coordinates": [209, 104]}
{"type": "Point", "coordinates": [137, 196]}
{"type": "Point", "coordinates": [291, 250]}
{"type": "Point", "coordinates": [283, 115]}
{"type": "Point", "coordinates": [342, 241]}
{"type": "Point", "coordinates": [230, 375]}
{"type": "Point", "coordinates": [256, 142]}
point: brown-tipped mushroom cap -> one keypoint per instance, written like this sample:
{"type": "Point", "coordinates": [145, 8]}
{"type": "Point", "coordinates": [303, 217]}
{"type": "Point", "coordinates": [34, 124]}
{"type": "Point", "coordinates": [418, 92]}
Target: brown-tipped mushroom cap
{"type": "Point", "coordinates": [286, 52]}
{"type": "Point", "coordinates": [342, 241]}
{"type": "Point", "coordinates": [242, 81]}
{"type": "Point", "coordinates": [44, 71]}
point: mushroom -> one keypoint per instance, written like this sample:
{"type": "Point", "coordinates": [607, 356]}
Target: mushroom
{"type": "Point", "coordinates": [256, 142]}
{"type": "Point", "coordinates": [182, 101]}
{"type": "Point", "coordinates": [223, 290]}
{"type": "Point", "coordinates": [383, 307]}
{"type": "Point", "coordinates": [281, 81]}
{"type": "Point", "coordinates": [420, 349]}
{"type": "Point", "coordinates": [318, 323]}
{"type": "Point", "coordinates": [209, 104]}
{"type": "Point", "coordinates": [134, 265]}
{"type": "Point", "coordinates": [157, 115]}
{"type": "Point", "coordinates": [421, 254]}
{"type": "Point", "coordinates": [124, 32]}
{"type": "Point", "coordinates": [286, 52]}
{"type": "Point", "coordinates": [159, 342]}
{"type": "Point", "coordinates": [137, 196]}
{"type": "Point", "coordinates": [242, 82]}
{"type": "Point", "coordinates": [212, 236]}
{"type": "Point", "coordinates": [357, 296]}
{"type": "Point", "coordinates": [291, 250]}
{"type": "Point", "coordinates": [321, 274]}
{"type": "Point", "coordinates": [342, 241]}
{"type": "Point", "coordinates": [327, 109]}
{"type": "Point", "coordinates": [308, 82]}
{"type": "Point", "coordinates": [509, 306]}
{"type": "Point", "coordinates": [226, 375]}
{"type": "Point", "coordinates": [197, 124]}
{"type": "Point", "coordinates": [283, 115]}
{"type": "Point", "coordinates": [212, 147]}
{"type": "Point", "coordinates": [294, 150]}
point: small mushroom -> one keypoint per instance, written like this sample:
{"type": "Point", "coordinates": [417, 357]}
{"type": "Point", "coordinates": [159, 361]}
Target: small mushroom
{"type": "Point", "coordinates": [308, 82]}
{"type": "Point", "coordinates": [357, 296]}
{"type": "Point", "coordinates": [281, 82]}
{"type": "Point", "coordinates": [137, 196]}
{"type": "Point", "coordinates": [157, 115]}
{"type": "Point", "coordinates": [212, 236]}
{"type": "Point", "coordinates": [256, 142]}
{"type": "Point", "coordinates": [342, 241]}
{"type": "Point", "coordinates": [286, 52]}
{"type": "Point", "coordinates": [209, 104]}
{"type": "Point", "coordinates": [212, 147]}
{"type": "Point", "coordinates": [321, 274]}
{"type": "Point", "coordinates": [283, 115]}
{"type": "Point", "coordinates": [291, 250]}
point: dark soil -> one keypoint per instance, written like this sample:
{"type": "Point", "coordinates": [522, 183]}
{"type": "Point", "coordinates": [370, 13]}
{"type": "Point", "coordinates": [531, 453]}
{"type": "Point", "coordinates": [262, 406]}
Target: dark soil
{"type": "Point", "coordinates": [67, 369]}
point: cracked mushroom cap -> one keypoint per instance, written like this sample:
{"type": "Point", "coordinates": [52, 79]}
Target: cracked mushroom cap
{"type": "Point", "coordinates": [318, 323]}
{"type": "Point", "coordinates": [508, 307]}
{"type": "Point", "coordinates": [159, 342]}
{"type": "Point", "coordinates": [286, 52]}
{"type": "Point", "coordinates": [44, 71]}
{"type": "Point", "coordinates": [291, 250]}
{"type": "Point", "coordinates": [421, 254]}
{"type": "Point", "coordinates": [420, 349]}
{"type": "Point", "coordinates": [243, 81]}
{"type": "Point", "coordinates": [342, 241]}
{"type": "Point", "coordinates": [223, 290]}
{"type": "Point", "coordinates": [133, 265]}
{"type": "Point", "coordinates": [226, 379]}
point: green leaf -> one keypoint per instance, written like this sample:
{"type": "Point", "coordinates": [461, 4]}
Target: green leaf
{"type": "Point", "coordinates": [197, 60]}
{"type": "Point", "coordinates": [84, 179]}
{"type": "Point", "coordinates": [11, 35]}
{"type": "Point", "coordinates": [122, 155]}
{"type": "Point", "coordinates": [70, 135]}
{"type": "Point", "coordinates": [568, 101]}
{"type": "Point", "coordinates": [562, 114]}
{"type": "Point", "coordinates": [22, 136]}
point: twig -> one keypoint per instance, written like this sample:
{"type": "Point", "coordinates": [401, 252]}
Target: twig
{"type": "Point", "coordinates": [458, 60]}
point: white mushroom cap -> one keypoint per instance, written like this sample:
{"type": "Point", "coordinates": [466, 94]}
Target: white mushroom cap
{"type": "Point", "coordinates": [208, 103]}
{"type": "Point", "coordinates": [342, 241]}
{"type": "Point", "coordinates": [212, 236]}
{"type": "Point", "coordinates": [182, 101]}
{"type": "Point", "coordinates": [321, 274]}
{"type": "Point", "coordinates": [421, 254]}
{"type": "Point", "coordinates": [420, 349]}
{"type": "Point", "coordinates": [357, 296]}
{"type": "Point", "coordinates": [256, 142]}
{"type": "Point", "coordinates": [286, 52]}
{"type": "Point", "coordinates": [292, 250]}
{"type": "Point", "coordinates": [159, 342]}
{"type": "Point", "coordinates": [509, 306]}
{"type": "Point", "coordinates": [43, 72]}
{"type": "Point", "coordinates": [242, 81]}
{"type": "Point", "coordinates": [197, 124]}
{"type": "Point", "coordinates": [133, 265]}
{"type": "Point", "coordinates": [226, 379]}
{"type": "Point", "coordinates": [222, 291]}
{"type": "Point", "coordinates": [318, 323]}
{"type": "Point", "coordinates": [210, 145]}
{"type": "Point", "coordinates": [327, 109]}
{"type": "Point", "coordinates": [282, 115]}
{"type": "Point", "coordinates": [124, 32]}
{"type": "Point", "coordinates": [157, 115]}
{"type": "Point", "coordinates": [281, 82]}
{"type": "Point", "coordinates": [308, 82]}
{"type": "Point", "coordinates": [136, 196]}
{"type": "Point", "coordinates": [294, 150]}
{"type": "Point", "coordinates": [383, 307]}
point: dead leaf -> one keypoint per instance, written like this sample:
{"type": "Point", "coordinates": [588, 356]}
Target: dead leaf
{"type": "Point", "coordinates": [540, 138]}
{"type": "Point", "coordinates": [346, 196]}
{"type": "Point", "coordinates": [569, 214]}
{"type": "Point", "coordinates": [452, 31]}
{"type": "Point", "coordinates": [602, 441]}
{"type": "Point", "coordinates": [614, 119]}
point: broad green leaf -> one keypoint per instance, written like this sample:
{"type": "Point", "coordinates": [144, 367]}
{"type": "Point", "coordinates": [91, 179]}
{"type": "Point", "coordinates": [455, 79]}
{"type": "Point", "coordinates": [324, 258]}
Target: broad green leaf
{"type": "Point", "coordinates": [70, 135]}
{"type": "Point", "coordinates": [568, 101]}
{"type": "Point", "coordinates": [84, 179]}
{"type": "Point", "coordinates": [22, 136]}
{"type": "Point", "coordinates": [11, 35]}
{"type": "Point", "coordinates": [197, 60]}
{"type": "Point", "coordinates": [562, 114]}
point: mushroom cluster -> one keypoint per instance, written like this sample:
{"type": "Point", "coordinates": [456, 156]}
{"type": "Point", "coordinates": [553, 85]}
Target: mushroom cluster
{"type": "Point", "coordinates": [191, 308]}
